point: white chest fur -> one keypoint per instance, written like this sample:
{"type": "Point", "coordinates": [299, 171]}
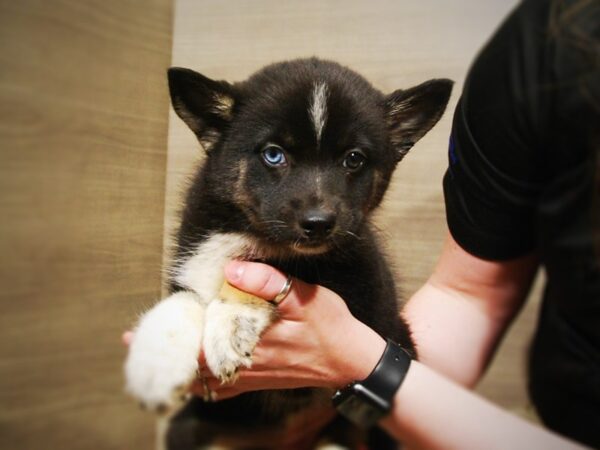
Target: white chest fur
{"type": "Point", "coordinates": [202, 272]}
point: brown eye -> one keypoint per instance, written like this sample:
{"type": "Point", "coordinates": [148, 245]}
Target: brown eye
{"type": "Point", "coordinates": [354, 160]}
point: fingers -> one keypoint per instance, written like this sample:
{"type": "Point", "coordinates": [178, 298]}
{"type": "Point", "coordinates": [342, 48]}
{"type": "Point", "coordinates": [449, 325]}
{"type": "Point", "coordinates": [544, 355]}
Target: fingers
{"type": "Point", "coordinates": [218, 390]}
{"type": "Point", "coordinates": [221, 393]}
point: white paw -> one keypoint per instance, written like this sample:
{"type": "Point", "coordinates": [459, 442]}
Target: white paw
{"type": "Point", "coordinates": [232, 330]}
{"type": "Point", "coordinates": [164, 351]}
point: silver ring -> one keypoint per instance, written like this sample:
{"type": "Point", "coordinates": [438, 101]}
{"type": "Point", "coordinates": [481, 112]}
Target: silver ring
{"type": "Point", "coordinates": [285, 290]}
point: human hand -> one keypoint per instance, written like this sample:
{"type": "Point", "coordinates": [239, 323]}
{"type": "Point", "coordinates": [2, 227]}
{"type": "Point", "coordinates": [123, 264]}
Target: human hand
{"type": "Point", "coordinates": [316, 342]}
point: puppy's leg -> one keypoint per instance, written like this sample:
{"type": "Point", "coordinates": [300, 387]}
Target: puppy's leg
{"type": "Point", "coordinates": [234, 324]}
{"type": "Point", "coordinates": [163, 355]}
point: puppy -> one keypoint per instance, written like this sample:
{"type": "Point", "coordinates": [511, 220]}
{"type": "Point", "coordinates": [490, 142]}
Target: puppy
{"type": "Point", "coordinates": [297, 158]}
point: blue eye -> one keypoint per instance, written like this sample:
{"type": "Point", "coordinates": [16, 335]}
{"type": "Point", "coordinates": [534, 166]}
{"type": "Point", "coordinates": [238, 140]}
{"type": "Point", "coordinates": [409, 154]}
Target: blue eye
{"type": "Point", "coordinates": [274, 156]}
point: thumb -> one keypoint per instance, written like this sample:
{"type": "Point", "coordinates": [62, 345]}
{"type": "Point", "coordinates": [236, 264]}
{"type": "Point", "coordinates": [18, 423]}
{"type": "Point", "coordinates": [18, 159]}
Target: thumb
{"type": "Point", "coordinates": [264, 281]}
{"type": "Point", "coordinates": [257, 279]}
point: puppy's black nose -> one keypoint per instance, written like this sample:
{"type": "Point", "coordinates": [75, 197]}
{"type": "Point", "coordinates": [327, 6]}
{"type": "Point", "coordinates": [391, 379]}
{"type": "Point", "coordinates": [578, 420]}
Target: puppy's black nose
{"type": "Point", "coordinates": [317, 224]}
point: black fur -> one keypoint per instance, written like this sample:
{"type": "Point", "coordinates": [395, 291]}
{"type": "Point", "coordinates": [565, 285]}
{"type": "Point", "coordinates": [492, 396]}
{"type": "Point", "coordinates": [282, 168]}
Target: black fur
{"type": "Point", "coordinates": [314, 211]}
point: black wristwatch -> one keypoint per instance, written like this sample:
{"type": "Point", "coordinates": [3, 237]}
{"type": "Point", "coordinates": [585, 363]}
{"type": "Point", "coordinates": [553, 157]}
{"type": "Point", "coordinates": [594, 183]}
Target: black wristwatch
{"type": "Point", "coordinates": [365, 402]}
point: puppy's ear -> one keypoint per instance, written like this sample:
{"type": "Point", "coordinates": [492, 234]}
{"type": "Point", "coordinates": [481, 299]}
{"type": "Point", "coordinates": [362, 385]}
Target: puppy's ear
{"type": "Point", "coordinates": [205, 105]}
{"type": "Point", "coordinates": [411, 113]}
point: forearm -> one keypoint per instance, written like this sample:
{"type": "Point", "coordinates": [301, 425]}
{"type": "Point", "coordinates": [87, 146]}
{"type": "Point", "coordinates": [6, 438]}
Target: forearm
{"type": "Point", "coordinates": [452, 335]}
{"type": "Point", "coordinates": [434, 413]}
{"type": "Point", "coordinates": [459, 316]}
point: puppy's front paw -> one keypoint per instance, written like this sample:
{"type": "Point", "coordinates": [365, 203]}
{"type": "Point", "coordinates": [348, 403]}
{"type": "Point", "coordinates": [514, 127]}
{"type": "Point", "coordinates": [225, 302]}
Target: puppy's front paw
{"type": "Point", "coordinates": [163, 354]}
{"type": "Point", "coordinates": [231, 333]}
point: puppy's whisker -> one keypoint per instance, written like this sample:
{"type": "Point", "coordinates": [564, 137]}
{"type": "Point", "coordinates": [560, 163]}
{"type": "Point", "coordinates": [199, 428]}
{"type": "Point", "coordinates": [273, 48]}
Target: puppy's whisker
{"type": "Point", "coordinates": [274, 221]}
{"type": "Point", "coordinates": [354, 235]}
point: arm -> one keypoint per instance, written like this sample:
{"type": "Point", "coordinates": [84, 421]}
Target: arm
{"type": "Point", "coordinates": [432, 412]}
{"type": "Point", "coordinates": [458, 317]}
{"type": "Point", "coordinates": [318, 342]}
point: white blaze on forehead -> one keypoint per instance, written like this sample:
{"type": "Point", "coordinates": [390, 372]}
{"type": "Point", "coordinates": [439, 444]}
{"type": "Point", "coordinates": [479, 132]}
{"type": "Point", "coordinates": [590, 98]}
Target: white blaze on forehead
{"type": "Point", "coordinates": [318, 108]}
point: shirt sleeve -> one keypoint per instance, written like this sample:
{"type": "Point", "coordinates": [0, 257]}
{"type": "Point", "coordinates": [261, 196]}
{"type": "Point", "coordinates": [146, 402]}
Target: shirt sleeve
{"type": "Point", "coordinates": [496, 150]}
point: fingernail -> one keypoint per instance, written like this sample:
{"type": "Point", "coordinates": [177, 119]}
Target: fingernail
{"type": "Point", "coordinates": [234, 270]}
{"type": "Point", "coordinates": [126, 337]}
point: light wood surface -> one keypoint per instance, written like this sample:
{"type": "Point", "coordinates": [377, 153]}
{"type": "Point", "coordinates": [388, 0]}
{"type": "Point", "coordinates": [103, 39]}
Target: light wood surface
{"type": "Point", "coordinates": [394, 44]}
{"type": "Point", "coordinates": [83, 132]}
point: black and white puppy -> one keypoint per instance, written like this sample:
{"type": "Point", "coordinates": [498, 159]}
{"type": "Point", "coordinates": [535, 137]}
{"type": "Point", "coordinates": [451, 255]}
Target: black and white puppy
{"type": "Point", "coordinates": [297, 158]}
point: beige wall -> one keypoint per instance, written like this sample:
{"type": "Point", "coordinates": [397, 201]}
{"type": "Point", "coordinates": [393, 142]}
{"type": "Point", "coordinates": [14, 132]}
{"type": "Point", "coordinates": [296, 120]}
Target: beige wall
{"type": "Point", "coordinates": [83, 130]}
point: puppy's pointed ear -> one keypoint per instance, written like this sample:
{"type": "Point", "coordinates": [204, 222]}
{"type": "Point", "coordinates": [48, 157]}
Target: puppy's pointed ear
{"type": "Point", "coordinates": [411, 113]}
{"type": "Point", "coordinates": [206, 106]}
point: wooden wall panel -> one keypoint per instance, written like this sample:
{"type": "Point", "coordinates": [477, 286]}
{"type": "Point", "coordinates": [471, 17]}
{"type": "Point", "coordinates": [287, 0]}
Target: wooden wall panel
{"type": "Point", "coordinates": [83, 131]}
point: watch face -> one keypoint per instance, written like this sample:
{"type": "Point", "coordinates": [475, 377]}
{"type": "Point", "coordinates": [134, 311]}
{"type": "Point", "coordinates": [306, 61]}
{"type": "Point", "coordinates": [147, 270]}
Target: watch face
{"type": "Point", "coordinates": [360, 412]}
{"type": "Point", "coordinates": [357, 404]}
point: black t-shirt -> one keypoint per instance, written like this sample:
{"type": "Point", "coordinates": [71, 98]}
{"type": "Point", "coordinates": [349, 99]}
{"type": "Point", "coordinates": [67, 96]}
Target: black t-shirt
{"type": "Point", "coordinates": [524, 175]}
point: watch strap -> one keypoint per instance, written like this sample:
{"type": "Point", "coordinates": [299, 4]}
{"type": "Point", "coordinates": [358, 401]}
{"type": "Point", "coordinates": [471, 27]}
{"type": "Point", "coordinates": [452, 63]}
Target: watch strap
{"type": "Point", "coordinates": [389, 373]}
{"type": "Point", "coordinates": [365, 402]}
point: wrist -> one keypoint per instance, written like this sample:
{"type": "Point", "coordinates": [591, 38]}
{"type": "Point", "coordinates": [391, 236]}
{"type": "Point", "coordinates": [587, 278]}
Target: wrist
{"type": "Point", "coordinates": [365, 402]}
{"type": "Point", "coordinates": [361, 352]}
